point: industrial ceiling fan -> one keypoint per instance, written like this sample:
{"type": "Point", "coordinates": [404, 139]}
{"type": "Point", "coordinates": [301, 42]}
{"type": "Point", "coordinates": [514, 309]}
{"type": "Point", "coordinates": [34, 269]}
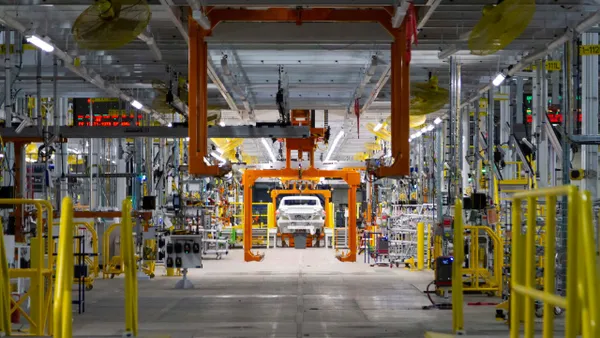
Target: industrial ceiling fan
{"type": "Point", "coordinates": [111, 24]}
{"type": "Point", "coordinates": [500, 25]}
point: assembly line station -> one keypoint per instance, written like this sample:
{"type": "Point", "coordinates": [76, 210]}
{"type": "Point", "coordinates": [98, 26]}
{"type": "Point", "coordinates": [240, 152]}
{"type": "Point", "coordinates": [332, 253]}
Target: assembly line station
{"type": "Point", "coordinates": [364, 168]}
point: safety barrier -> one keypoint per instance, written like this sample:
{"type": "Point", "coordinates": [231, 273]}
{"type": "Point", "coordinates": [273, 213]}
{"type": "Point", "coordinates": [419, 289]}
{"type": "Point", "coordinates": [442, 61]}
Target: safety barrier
{"type": "Point", "coordinates": [94, 262]}
{"type": "Point", "coordinates": [63, 321]}
{"type": "Point", "coordinates": [477, 271]}
{"type": "Point", "coordinates": [459, 258]}
{"type": "Point", "coordinates": [131, 287]}
{"type": "Point", "coordinates": [111, 266]}
{"type": "Point", "coordinates": [581, 301]}
{"type": "Point", "coordinates": [40, 273]}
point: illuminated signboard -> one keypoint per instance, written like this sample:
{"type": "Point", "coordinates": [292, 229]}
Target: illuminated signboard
{"type": "Point", "coordinates": [102, 112]}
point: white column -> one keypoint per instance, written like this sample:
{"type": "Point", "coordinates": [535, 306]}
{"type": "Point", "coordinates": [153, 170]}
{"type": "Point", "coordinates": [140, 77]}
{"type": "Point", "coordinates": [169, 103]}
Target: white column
{"type": "Point", "coordinates": [464, 142]}
{"type": "Point", "coordinates": [589, 110]}
{"type": "Point", "coordinates": [505, 120]}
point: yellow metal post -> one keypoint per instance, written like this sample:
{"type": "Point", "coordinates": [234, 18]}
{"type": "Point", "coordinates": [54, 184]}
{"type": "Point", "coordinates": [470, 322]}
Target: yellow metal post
{"type": "Point", "coordinates": [331, 213]}
{"type": "Point", "coordinates": [420, 246]}
{"type": "Point", "coordinates": [5, 326]}
{"type": "Point", "coordinates": [131, 298]}
{"type": "Point", "coordinates": [459, 257]}
{"type": "Point", "coordinates": [62, 320]}
{"type": "Point", "coordinates": [428, 249]}
{"type": "Point", "coordinates": [549, 264]}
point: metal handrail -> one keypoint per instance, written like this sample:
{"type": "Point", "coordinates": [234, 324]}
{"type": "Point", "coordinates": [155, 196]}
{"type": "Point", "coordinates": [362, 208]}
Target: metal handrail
{"type": "Point", "coordinates": [62, 317]}
{"type": "Point", "coordinates": [39, 270]}
{"type": "Point", "coordinates": [581, 300]}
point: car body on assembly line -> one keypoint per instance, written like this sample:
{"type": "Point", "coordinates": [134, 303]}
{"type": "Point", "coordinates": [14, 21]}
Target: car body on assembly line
{"type": "Point", "coordinates": [300, 214]}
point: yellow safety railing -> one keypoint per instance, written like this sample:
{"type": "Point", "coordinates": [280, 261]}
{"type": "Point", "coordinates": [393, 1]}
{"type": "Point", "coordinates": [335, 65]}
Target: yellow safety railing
{"type": "Point", "coordinates": [5, 326]}
{"type": "Point", "coordinates": [62, 321]}
{"type": "Point", "coordinates": [477, 271]}
{"type": "Point", "coordinates": [459, 258]}
{"type": "Point", "coordinates": [581, 301]}
{"type": "Point", "coordinates": [131, 287]}
{"type": "Point", "coordinates": [109, 267]}
{"type": "Point", "coordinates": [95, 260]}
{"type": "Point", "coordinates": [40, 273]}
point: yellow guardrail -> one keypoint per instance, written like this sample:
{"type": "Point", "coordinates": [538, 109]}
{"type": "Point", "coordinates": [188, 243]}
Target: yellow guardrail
{"type": "Point", "coordinates": [40, 273]}
{"type": "Point", "coordinates": [581, 301]}
{"type": "Point", "coordinates": [477, 271]}
{"type": "Point", "coordinates": [5, 326]}
{"type": "Point", "coordinates": [63, 321]}
{"type": "Point", "coordinates": [131, 287]}
{"type": "Point", "coordinates": [111, 266]}
{"type": "Point", "coordinates": [459, 258]}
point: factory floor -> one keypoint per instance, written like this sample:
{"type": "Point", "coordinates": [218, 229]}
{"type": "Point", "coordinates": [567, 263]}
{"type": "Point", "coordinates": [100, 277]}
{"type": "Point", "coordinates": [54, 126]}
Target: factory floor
{"type": "Point", "coordinates": [291, 293]}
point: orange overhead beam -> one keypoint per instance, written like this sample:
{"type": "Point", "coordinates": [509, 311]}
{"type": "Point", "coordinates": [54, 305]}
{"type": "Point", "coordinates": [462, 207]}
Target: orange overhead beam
{"type": "Point", "coordinates": [381, 15]}
{"type": "Point", "coordinates": [198, 75]}
{"type": "Point", "coordinates": [197, 102]}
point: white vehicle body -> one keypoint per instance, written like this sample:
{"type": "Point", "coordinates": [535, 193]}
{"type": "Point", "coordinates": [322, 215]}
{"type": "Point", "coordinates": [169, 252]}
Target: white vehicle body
{"type": "Point", "coordinates": [300, 214]}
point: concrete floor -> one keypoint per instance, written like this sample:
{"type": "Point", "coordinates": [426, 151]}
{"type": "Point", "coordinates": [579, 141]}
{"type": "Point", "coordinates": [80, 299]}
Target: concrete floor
{"type": "Point", "coordinates": [292, 293]}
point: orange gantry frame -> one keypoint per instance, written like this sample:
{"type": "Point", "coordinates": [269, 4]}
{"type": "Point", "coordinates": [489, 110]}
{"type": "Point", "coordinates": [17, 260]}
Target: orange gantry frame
{"type": "Point", "coordinates": [352, 178]}
{"type": "Point", "coordinates": [198, 62]}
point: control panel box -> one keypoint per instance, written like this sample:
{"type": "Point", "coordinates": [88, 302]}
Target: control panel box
{"type": "Point", "coordinates": [184, 251]}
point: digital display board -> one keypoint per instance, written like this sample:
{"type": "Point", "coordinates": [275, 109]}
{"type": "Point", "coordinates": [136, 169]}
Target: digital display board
{"type": "Point", "coordinates": [102, 112]}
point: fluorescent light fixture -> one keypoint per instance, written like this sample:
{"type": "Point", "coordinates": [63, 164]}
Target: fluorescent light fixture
{"type": "Point", "coordinates": [269, 149]}
{"type": "Point", "coordinates": [418, 134]}
{"type": "Point", "coordinates": [446, 53]}
{"type": "Point", "coordinates": [499, 79]}
{"type": "Point", "coordinates": [437, 121]}
{"type": "Point", "coordinates": [215, 155]}
{"type": "Point", "coordinates": [136, 104]}
{"type": "Point", "coordinates": [40, 43]}
{"type": "Point", "coordinates": [430, 127]}
{"type": "Point", "coordinates": [222, 123]}
{"type": "Point", "coordinates": [378, 126]}
{"type": "Point", "coordinates": [206, 161]}
{"type": "Point", "coordinates": [75, 151]}
{"type": "Point", "coordinates": [201, 19]}
{"type": "Point", "coordinates": [335, 143]}
{"type": "Point", "coordinates": [400, 13]}
{"type": "Point", "coordinates": [424, 130]}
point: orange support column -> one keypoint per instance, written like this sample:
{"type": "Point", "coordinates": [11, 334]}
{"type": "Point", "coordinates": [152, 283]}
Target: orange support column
{"type": "Point", "coordinates": [352, 233]}
{"type": "Point", "coordinates": [197, 101]}
{"type": "Point", "coordinates": [400, 86]}
{"type": "Point", "coordinates": [248, 181]}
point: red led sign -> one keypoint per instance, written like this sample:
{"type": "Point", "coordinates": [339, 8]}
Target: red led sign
{"type": "Point", "coordinates": [103, 112]}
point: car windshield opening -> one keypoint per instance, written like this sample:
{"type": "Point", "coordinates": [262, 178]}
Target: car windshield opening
{"type": "Point", "coordinates": [300, 202]}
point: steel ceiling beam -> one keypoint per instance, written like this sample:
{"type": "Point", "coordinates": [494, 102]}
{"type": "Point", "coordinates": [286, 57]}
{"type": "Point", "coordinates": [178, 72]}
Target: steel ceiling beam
{"type": "Point", "coordinates": [579, 28]}
{"type": "Point", "coordinates": [174, 15]}
{"type": "Point", "coordinates": [431, 7]}
{"type": "Point", "coordinates": [253, 132]}
{"type": "Point", "coordinates": [86, 73]}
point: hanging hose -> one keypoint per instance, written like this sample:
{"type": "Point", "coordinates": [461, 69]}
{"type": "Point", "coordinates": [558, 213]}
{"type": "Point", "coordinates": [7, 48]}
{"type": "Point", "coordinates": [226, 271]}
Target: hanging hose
{"type": "Point", "coordinates": [434, 305]}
